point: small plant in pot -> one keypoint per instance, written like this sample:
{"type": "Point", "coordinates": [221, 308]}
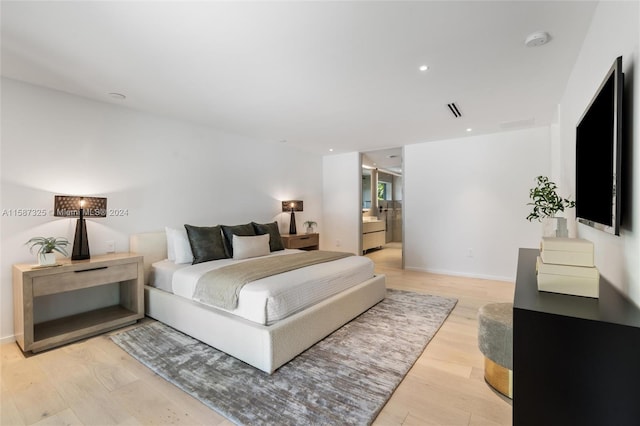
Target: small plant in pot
{"type": "Point", "coordinates": [310, 225]}
{"type": "Point", "coordinates": [547, 203]}
{"type": "Point", "coordinates": [46, 246]}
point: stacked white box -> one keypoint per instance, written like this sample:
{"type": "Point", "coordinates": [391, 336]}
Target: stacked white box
{"type": "Point", "coordinates": [566, 266]}
{"type": "Point", "coordinates": [567, 251]}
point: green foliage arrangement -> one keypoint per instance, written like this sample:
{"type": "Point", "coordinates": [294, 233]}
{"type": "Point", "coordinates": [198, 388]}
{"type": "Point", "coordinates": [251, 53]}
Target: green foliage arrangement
{"type": "Point", "coordinates": [48, 245]}
{"type": "Point", "coordinates": [310, 224]}
{"type": "Point", "coordinates": [545, 200]}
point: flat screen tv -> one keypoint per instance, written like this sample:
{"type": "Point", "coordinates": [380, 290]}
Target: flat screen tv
{"type": "Point", "coordinates": [598, 155]}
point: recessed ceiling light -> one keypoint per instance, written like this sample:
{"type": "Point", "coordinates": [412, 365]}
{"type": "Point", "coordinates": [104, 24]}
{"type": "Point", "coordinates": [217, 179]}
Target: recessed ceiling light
{"type": "Point", "coordinates": [330, 149]}
{"type": "Point", "coordinates": [469, 129]}
{"type": "Point", "coordinates": [423, 68]}
{"type": "Point", "coordinates": [117, 96]}
{"type": "Point", "coordinates": [537, 39]}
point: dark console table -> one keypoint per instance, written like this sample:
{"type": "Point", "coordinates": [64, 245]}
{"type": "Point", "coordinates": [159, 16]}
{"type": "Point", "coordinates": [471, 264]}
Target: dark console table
{"type": "Point", "coordinates": [576, 360]}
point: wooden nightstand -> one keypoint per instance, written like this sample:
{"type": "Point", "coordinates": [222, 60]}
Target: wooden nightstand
{"type": "Point", "coordinates": [31, 282]}
{"type": "Point", "coordinates": [301, 241]}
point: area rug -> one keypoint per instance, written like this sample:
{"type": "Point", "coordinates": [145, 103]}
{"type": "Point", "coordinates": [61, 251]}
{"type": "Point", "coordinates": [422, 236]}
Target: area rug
{"type": "Point", "coordinates": [344, 379]}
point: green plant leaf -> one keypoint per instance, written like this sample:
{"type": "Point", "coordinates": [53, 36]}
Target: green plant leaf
{"type": "Point", "coordinates": [48, 245]}
{"type": "Point", "coordinates": [546, 201]}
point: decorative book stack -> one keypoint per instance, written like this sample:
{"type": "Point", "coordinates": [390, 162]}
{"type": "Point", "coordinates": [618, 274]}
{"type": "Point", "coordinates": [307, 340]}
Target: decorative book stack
{"type": "Point", "coordinates": [565, 265]}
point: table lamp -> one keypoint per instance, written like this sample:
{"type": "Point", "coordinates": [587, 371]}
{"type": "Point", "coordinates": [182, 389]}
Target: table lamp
{"type": "Point", "coordinates": [80, 207]}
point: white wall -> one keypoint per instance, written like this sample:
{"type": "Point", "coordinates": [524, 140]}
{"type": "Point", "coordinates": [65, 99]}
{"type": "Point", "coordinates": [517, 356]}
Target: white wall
{"type": "Point", "coordinates": [465, 202]}
{"type": "Point", "coordinates": [161, 171]}
{"type": "Point", "coordinates": [613, 33]}
{"type": "Point", "coordinates": [342, 215]}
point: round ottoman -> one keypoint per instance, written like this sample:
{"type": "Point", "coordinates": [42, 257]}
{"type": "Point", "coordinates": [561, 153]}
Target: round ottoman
{"type": "Point", "coordinates": [495, 339]}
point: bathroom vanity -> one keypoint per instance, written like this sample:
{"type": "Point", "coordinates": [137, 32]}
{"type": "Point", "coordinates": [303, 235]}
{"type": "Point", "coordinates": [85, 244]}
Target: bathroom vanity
{"type": "Point", "coordinates": [373, 234]}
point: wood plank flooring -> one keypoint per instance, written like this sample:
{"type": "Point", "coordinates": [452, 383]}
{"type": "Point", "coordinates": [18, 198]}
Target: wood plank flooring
{"type": "Point", "coordinates": [94, 382]}
{"type": "Point", "coordinates": [446, 385]}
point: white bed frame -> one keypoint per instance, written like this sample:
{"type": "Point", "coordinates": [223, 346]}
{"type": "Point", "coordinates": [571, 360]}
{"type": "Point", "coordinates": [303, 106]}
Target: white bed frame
{"type": "Point", "coordinates": [264, 347]}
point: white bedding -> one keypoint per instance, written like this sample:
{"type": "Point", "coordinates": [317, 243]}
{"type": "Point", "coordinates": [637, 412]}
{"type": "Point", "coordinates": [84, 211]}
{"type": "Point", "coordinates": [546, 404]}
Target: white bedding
{"type": "Point", "coordinates": [273, 298]}
{"type": "Point", "coordinates": [162, 274]}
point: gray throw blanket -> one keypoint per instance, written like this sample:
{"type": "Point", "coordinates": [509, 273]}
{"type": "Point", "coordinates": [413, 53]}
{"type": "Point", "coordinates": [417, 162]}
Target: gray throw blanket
{"type": "Point", "coordinates": [221, 286]}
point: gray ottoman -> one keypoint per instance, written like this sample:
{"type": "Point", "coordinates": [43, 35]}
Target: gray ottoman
{"type": "Point", "coordinates": [495, 339]}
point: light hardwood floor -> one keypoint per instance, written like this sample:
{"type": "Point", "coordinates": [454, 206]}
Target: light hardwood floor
{"type": "Point", "coordinates": [94, 382]}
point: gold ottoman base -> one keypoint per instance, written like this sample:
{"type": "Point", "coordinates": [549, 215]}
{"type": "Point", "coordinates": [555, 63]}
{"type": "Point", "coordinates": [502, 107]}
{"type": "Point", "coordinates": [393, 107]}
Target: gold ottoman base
{"type": "Point", "coordinates": [500, 378]}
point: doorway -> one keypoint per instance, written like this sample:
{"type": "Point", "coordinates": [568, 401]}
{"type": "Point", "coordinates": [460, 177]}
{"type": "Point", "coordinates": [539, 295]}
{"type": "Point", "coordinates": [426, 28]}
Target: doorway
{"type": "Point", "coordinates": [382, 201]}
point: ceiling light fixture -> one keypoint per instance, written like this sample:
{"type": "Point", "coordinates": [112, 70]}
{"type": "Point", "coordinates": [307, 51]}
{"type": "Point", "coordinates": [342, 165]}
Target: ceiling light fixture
{"type": "Point", "coordinates": [537, 39]}
{"type": "Point", "coordinates": [330, 149]}
{"type": "Point", "coordinates": [424, 68]}
{"type": "Point", "coordinates": [469, 129]}
{"type": "Point", "coordinates": [117, 96]}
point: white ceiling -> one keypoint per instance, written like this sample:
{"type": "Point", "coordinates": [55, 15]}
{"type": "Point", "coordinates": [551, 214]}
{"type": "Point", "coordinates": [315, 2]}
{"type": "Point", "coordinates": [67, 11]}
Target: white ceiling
{"type": "Point", "coordinates": [389, 159]}
{"type": "Point", "coordinates": [318, 75]}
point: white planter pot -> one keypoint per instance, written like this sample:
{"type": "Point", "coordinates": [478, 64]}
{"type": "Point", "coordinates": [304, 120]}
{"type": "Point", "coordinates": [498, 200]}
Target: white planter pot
{"type": "Point", "coordinates": [555, 227]}
{"type": "Point", "coordinates": [46, 259]}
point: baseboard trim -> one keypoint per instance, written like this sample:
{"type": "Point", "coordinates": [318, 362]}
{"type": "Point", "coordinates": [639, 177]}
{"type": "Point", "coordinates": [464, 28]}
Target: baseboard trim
{"type": "Point", "coordinates": [7, 339]}
{"type": "Point", "coordinates": [462, 274]}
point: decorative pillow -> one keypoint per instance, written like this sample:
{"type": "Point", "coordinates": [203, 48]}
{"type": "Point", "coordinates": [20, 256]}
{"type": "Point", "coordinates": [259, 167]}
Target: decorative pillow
{"type": "Point", "coordinates": [246, 247]}
{"type": "Point", "coordinates": [245, 230]}
{"type": "Point", "coordinates": [275, 243]}
{"type": "Point", "coordinates": [178, 247]}
{"type": "Point", "coordinates": [206, 243]}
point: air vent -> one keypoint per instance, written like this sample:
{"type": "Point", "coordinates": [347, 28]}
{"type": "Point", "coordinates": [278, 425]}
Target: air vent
{"type": "Point", "coordinates": [454, 110]}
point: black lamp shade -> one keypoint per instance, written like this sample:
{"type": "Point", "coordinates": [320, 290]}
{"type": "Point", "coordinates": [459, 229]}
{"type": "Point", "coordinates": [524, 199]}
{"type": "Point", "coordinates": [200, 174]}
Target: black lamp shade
{"type": "Point", "coordinates": [69, 206]}
{"type": "Point", "coordinates": [292, 205]}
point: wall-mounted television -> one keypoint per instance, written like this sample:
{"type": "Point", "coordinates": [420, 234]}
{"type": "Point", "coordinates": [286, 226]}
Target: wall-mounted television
{"type": "Point", "coordinates": [598, 155]}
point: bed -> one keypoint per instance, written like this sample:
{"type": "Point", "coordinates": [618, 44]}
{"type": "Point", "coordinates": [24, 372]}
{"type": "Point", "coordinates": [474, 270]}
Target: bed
{"type": "Point", "coordinates": [262, 339]}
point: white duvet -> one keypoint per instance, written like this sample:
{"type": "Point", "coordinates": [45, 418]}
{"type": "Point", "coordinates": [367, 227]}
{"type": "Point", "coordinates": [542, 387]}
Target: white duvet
{"type": "Point", "coordinates": [273, 298]}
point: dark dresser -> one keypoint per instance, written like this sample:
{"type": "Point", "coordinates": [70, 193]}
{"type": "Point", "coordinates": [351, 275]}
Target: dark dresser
{"type": "Point", "coordinates": [576, 360]}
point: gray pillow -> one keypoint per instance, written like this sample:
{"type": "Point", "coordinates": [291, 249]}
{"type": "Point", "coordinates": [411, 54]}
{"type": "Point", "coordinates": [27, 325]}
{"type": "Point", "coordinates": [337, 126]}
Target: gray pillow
{"type": "Point", "coordinates": [275, 241]}
{"type": "Point", "coordinates": [206, 243]}
{"type": "Point", "coordinates": [245, 230]}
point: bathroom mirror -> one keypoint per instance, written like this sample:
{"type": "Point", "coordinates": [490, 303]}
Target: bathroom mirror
{"type": "Point", "coordinates": [366, 189]}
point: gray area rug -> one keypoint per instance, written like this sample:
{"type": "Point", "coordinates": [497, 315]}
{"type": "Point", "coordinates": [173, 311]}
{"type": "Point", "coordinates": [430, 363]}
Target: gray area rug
{"type": "Point", "coordinates": [344, 379]}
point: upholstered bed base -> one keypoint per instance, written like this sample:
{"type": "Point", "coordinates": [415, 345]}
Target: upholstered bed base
{"type": "Point", "coordinates": [264, 347]}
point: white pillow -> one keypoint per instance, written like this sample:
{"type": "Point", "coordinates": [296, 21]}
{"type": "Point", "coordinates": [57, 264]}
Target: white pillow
{"type": "Point", "coordinates": [246, 247]}
{"type": "Point", "coordinates": [180, 244]}
{"type": "Point", "coordinates": [171, 253]}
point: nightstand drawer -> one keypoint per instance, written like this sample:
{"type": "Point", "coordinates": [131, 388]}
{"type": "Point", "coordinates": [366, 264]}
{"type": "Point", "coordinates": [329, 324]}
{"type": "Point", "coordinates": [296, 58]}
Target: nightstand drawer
{"type": "Point", "coordinates": [82, 278]}
{"type": "Point", "coordinates": [303, 241]}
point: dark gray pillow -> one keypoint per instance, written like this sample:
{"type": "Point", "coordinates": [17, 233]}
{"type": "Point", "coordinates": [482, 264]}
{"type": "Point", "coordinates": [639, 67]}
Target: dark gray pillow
{"type": "Point", "coordinates": [275, 241]}
{"type": "Point", "coordinates": [206, 243]}
{"type": "Point", "coordinates": [245, 230]}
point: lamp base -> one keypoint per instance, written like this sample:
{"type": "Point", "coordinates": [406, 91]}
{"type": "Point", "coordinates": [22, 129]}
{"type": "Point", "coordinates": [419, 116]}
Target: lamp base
{"type": "Point", "coordinates": [80, 242]}
{"type": "Point", "coordinates": [292, 224]}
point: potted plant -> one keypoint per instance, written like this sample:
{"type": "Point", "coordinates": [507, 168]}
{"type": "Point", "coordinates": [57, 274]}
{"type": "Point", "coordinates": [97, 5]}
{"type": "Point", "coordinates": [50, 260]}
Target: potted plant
{"type": "Point", "coordinates": [547, 203]}
{"type": "Point", "coordinates": [310, 224]}
{"type": "Point", "coordinates": [46, 246]}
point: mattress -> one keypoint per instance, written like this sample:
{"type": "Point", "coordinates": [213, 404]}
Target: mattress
{"type": "Point", "coordinates": [271, 299]}
{"type": "Point", "coordinates": [162, 274]}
